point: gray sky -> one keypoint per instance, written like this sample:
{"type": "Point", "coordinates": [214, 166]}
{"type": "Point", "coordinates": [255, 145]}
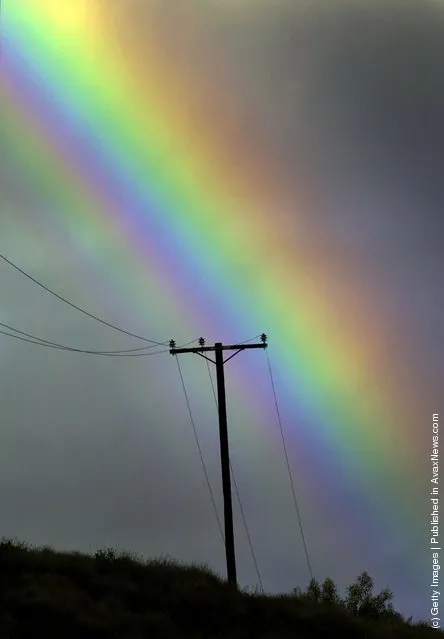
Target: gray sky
{"type": "Point", "coordinates": [98, 451]}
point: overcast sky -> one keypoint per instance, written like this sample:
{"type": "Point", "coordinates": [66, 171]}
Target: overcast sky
{"type": "Point", "coordinates": [349, 98]}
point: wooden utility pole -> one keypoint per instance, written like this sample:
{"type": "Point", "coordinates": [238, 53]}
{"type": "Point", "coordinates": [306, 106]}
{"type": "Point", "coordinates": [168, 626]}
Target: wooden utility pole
{"type": "Point", "coordinates": [219, 361]}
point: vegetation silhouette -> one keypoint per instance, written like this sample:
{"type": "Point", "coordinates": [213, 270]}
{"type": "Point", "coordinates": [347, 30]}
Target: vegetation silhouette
{"type": "Point", "coordinates": [112, 594]}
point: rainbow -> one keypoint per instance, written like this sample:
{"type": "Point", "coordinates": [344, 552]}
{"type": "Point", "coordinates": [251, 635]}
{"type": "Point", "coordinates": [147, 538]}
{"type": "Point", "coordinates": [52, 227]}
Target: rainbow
{"type": "Point", "coordinates": [126, 143]}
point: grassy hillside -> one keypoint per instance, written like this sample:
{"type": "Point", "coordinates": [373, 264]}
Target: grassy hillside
{"type": "Point", "coordinates": [46, 594]}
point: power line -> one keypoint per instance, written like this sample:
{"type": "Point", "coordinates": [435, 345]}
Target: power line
{"type": "Point", "coordinates": [87, 352]}
{"type": "Point", "coordinates": [236, 487]}
{"type": "Point", "coordinates": [251, 339]}
{"type": "Point", "coordinates": [71, 348]}
{"type": "Point", "coordinates": [78, 308]}
{"type": "Point", "coordinates": [289, 469]}
{"type": "Point", "coordinates": [200, 450]}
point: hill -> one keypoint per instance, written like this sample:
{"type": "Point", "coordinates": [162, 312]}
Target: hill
{"type": "Point", "coordinates": [46, 594]}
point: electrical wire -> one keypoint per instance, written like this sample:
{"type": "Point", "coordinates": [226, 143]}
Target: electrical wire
{"type": "Point", "coordinates": [89, 352]}
{"type": "Point", "coordinates": [78, 308]}
{"type": "Point", "coordinates": [251, 339]}
{"type": "Point", "coordinates": [236, 486]}
{"type": "Point", "coordinates": [71, 348]}
{"type": "Point", "coordinates": [200, 450]}
{"type": "Point", "coordinates": [288, 467]}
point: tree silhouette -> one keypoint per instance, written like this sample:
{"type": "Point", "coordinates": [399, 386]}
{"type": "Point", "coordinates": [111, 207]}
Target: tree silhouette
{"type": "Point", "coordinates": [359, 601]}
{"type": "Point", "coordinates": [329, 593]}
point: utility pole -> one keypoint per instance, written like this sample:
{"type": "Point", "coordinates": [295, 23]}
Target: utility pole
{"type": "Point", "coordinates": [219, 361]}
